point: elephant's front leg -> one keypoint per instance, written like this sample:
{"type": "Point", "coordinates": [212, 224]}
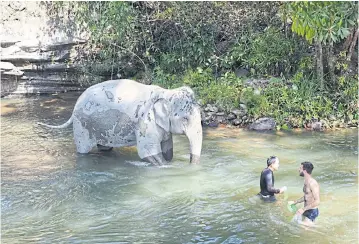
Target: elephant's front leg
{"type": "Point", "coordinates": [149, 149]}
{"type": "Point", "coordinates": [167, 148]}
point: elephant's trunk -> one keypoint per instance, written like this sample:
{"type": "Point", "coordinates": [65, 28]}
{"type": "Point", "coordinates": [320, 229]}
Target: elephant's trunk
{"type": "Point", "coordinates": [195, 141]}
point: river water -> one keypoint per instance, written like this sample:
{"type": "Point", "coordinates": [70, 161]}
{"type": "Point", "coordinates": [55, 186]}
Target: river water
{"type": "Point", "coordinates": [50, 194]}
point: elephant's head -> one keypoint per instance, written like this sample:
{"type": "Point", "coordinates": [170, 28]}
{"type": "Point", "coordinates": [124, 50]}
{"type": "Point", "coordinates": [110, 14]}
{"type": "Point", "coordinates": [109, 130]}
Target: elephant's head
{"type": "Point", "coordinates": [177, 112]}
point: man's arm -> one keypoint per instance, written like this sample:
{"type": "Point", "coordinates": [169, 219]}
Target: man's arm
{"type": "Point", "coordinates": [314, 187]}
{"type": "Point", "coordinates": [269, 182]}
{"type": "Point", "coordinates": [299, 200]}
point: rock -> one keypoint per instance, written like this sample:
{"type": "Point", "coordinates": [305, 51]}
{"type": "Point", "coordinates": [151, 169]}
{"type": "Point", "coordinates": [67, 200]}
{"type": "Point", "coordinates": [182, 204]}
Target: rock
{"type": "Point", "coordinates": [210, 114]}
{"type": "Point", "coordinates": [220, 119]}
{"type": "Point", "coordinates": [54, 66]}
{"type": "Point", "coordinates": [207, 118]}
{"type": "Point", "coordinates": [18, 6]}
{"type": "Point", "coordinates": [331, 117]}
{"type": "Point", "coordinates": [14, 72]}
{"type": "Point", "coordinates": [61, 44]}
{"type": "Point", "coordinates": [213, 124]}
{"type": "Point", "coordinates": [208, 108]}
{"type": "Point", "coordinates": [38, 50]}
{"type": "Point", "coordinates": [241, 72]}
{"type": "Point", "coordinates": [238, 112]}
{"type": "Point", "coordinates": [6, 66]}
{"type": "Point", "coordinates": [58, 55]}
{"type": "Point", "coordinates": [243, 106]}
{"type": "Point", "coordinates": [231, 116]}
{"type": "Point", "coordinates": [203, 115]}
{"type": "Point", "coordinates": [237, 122]}
{"type": "Point", "coordinates": [263, 124]}
{"type": "Point", "coordinates": [256, 83]}
{"type": "Point", "coordinates": [214, 109]}
{"type": "Point", "coordinates": [220, 114]}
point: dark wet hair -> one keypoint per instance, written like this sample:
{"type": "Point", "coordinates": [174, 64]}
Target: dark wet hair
{"type": "Point", "coordinates": [271, 160]}
{"type": "Point", "coordinates": [308, 166]}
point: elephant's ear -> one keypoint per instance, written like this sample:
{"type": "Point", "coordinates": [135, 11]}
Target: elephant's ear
{"type": "Point", "coordinates": [161, 111]}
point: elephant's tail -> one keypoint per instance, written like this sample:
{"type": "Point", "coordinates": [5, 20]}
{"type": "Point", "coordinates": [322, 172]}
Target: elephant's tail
{"type": "Point", "coordinates": [69, 122]}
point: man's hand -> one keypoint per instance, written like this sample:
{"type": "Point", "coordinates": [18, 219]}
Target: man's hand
{"type": "Point", "coordinates": [300, 211]}
{"type": "Point", "coordinates": [283, 189]}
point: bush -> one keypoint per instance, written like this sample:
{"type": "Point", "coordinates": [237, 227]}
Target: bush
{"type": "Point", "coordinates": [268, 53]}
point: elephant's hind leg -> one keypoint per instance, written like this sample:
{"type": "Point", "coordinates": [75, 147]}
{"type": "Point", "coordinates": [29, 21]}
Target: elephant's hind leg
{"type": "Point", "coordinates": [83, 142]}
{"type": "Point", "coordinates": [167, 148]}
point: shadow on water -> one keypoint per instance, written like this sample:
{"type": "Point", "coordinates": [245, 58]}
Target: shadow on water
{"type": "Point", "coordinates": [52, 194]}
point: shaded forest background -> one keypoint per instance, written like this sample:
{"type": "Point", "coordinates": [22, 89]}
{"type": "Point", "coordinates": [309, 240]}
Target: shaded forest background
{"type": "Point", "coordinates": [293, 61]}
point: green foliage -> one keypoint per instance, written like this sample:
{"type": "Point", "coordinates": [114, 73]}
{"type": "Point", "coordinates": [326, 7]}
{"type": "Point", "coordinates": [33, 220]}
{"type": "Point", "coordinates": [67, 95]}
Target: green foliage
{"type": "Point", "coordinates": [223, 91]}
{"type": "Point", "coordinates": [199, 78]}
{"type": "Point", "coordinates": [256, 103]}
{"type": "Point", "coordinates": [323, 21]}
{"type": "Point", "coordinates": [165, 80]}
{"type": "Point", "coordinates": [346, 98]}
{"type": "Point", "coordinates": [200, 44]}
{"type": "Point", "coordinates": [267, 53]}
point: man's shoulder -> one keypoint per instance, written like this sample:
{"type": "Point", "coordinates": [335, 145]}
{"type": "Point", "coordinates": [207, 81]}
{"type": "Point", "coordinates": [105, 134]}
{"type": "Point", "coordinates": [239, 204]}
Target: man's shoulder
{"type": "Point", "coordinates": [313, 183]}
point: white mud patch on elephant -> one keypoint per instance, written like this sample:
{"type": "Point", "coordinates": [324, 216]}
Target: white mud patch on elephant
{"type": "Point", "coordinates": [109, 128]}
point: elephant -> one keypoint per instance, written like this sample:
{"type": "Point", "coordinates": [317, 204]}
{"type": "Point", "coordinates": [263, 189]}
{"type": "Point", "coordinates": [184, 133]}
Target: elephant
{"type": "Point", "coordinates": [123, 112]}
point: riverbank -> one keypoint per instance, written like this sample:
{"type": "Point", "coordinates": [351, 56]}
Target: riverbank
{"type": "Point", "coordinates": [212, 115]}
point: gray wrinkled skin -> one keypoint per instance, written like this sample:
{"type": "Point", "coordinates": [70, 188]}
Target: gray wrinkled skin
{"type": "Point", "coordinates": [119, 113]}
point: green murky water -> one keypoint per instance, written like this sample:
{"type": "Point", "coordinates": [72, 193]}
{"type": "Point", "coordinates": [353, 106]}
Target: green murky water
{"type": "Point", "coordinates": [49, 194]}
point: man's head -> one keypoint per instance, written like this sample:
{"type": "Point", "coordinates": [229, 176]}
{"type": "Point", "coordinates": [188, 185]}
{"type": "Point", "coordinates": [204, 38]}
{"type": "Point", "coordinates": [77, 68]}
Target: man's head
{"type": "Point", "coordinates": [305, 167]}
{"type": "Point", "coordinates": [273, 162]}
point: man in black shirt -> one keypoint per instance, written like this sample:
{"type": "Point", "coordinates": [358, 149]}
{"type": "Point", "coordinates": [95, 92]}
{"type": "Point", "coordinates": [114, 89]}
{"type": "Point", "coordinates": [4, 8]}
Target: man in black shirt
{"type": "Point", "coordinates": [267, 181]}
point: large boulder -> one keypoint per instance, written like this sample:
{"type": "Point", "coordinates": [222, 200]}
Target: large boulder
{"type": "Point", "coordinates": [263, 124]}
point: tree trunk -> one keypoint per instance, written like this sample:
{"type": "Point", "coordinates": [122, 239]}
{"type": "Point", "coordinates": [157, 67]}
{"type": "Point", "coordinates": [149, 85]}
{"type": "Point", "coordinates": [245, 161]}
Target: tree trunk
{"type": "Point", "coordinates": [320, 72]}
{"type": "Point", "coordinates": [352, 45]}
{"type": "Point", "coordinates": [331, 62]}
{"type": "Point", "coordinates": [348, 40]}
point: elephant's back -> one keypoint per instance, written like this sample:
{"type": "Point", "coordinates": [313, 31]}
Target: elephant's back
{"type": "Point", "coordinates": [123, 95]}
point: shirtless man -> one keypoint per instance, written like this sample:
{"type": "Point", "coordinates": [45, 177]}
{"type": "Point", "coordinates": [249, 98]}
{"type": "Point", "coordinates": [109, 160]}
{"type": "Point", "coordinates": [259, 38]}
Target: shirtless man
{"type": "Point", "coordinates": [311, 195]}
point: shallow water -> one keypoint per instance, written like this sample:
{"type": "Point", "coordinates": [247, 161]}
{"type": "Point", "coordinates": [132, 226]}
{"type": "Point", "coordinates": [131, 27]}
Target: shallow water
{"type": "Point", "coordinates": [50, 194]}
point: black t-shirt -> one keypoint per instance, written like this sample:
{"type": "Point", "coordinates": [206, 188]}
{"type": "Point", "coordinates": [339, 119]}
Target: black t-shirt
{"type": "Point", "coordinates": [267, 183]}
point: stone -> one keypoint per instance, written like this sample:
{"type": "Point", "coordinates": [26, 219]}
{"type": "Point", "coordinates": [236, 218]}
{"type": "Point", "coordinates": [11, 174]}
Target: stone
{"type": "Point", "coordinates": [207, 118]}
{"type": "Point", "coordinates": [238, 112]}
{"type": "Point", "coordinates": [220, 119]}
{"type": "Point", "coordinates": [203, 116]}
{"type": "Point", "coordinates": [208, 108]}
{"type": "Point", "coordinates": [52, 56]}
{"type": "Point", "coordinates": [241, 72]}
{"type": "Point", "coordinates": [243, 106]}
{"type": "Point", "coordinates": [54, 66]}
{"type": "Point", "coordinates": [231, 116]}
{"type": "Point", "coordinates": [263, 124]}
{"type": "Point", "coordinates": [13, 72]}
{"type": "Point", "coordinates": [213, 124]}
{"type": "Point", "coordinates": [332, 117]}
{"type": "Point", "coordinates": [220, 114]}
{"type": "Point", "coordinates": [214, 109]}
{"type": "Point", "coordinates": [6, 66]}
{"type": "Point", "coordinates": [236, 122]}
{"type": "Point", "coordinates": [317, 126]}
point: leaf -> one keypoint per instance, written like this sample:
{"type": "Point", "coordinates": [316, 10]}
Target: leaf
{"type": "Point", "coordinates": [345, 32]}
{"type": "Point", "coordinates": [351, 22]}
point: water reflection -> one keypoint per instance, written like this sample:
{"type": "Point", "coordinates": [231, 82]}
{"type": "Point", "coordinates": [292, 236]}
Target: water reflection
{"type": "Point", "coordinates": [51, 194]}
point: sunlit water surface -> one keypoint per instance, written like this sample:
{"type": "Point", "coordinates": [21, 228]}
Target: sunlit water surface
{"type": "Point", "coordinates": [50, 194]}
